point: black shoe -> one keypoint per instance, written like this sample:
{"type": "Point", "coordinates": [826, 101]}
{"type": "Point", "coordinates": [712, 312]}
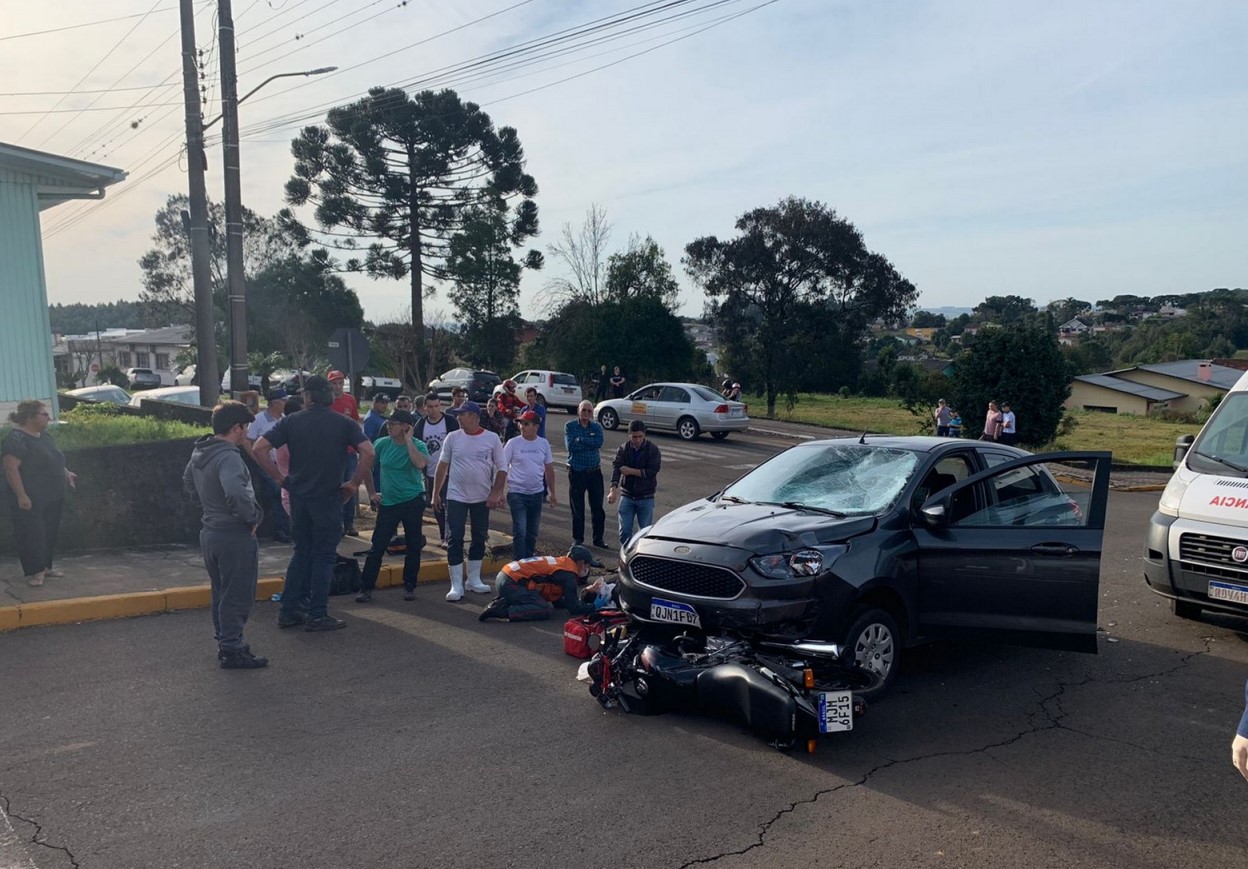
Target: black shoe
{"type": "Point", "coordinates": [599, 544]}
{"type": "Point", "coordinates": [409, 592]}
{"type": "Point", "coordinates": [351, 532]}
{"type": "Point", "coordinates": [495, 609]}
{"type": "Point", "coordinates": [222, 654]}
{"type": "Point", "coordinates": [324, 623]}
{"type": "Point", "coordinates": [242, 659]}
{"type": "Point", "coordinates": [365, 596]}
{"type": "Point", "coordinates": [291, 621]}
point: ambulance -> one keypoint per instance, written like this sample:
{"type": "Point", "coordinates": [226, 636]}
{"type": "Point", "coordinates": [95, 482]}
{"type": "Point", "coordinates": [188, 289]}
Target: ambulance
{"type": "Point", "coordinates": [1196, 553]}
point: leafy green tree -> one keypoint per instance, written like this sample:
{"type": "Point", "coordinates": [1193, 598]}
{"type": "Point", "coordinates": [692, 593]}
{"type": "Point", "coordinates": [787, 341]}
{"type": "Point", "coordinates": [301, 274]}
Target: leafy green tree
{"type": "Point", "coordinates": [642, 271]}
{"type": "Point", "coordinates": [926, 319]}
{"type": "Point", "coordinates": [394, 178]}
{"type": "Point", "coordinates": [294, 306]}
{"type": "Point", "coordinates": [1004, 310]}
{"type": "Point", "coordinates": [797, 279]}
{"type": "Point", "coordinates": [1065, 310]}
{"type": "Point", "coordinates": [79, 318]}
{"type": "Point", "coordinates": [486, 288]}
{"type": "Point", "coordinates": [1023, 366]}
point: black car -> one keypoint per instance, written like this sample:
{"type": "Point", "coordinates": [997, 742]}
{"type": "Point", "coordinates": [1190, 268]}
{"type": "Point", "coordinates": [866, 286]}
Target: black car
{"type": "Point", "coordinates": [480, 384]}
{"type": "Point", "coordinates": [877, 543]}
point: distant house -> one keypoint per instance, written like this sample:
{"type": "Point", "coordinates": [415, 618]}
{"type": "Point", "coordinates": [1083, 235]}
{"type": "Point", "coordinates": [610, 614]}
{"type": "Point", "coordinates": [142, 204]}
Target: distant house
{"type": "Point", "coordinates": [157, 349]}
{"type": "Point", "coordinates": [923, 333]}
{"type": "Point", "coordinates": [1182, 386]}
{"type": "Point", "coordinates": [1074, 327]}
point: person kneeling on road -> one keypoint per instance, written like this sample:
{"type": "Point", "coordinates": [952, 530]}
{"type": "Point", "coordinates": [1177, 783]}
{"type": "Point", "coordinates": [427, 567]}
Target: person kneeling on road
{"type": "Point", "coordinates": [218, 479]}
{"type": "Point", "coordinates": [530, 589]}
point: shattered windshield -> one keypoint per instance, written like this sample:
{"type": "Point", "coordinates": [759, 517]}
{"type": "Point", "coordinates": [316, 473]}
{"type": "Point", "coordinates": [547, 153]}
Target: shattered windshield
{"type": "Point", "coordinates": [844, 478]}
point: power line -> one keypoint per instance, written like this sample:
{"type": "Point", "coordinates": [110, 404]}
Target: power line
{"type": "Point", "coordinates": [299, 36]}
{"type": "Point", "coordinates": [85, 24]}
{"type": "Point", "coordinates": [106, 56]}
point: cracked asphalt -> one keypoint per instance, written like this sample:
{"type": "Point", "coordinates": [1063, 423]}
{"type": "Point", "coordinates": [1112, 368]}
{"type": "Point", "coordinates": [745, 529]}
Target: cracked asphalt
{"type": "Point", "coordinates": [420, 737]}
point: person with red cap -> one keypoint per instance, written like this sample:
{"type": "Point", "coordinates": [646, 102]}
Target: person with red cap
{"type": "Point", "coordinates": [510, 406]}
{"type": "Point", "coordinates": [345, 404]}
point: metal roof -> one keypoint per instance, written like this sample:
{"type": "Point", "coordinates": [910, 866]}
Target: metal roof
{"type": "Point", "coordinates": [1188, 369]}
{"type": "Point", "coordinates": [59, 178]}
{"type": "Point", "coordinates": [1152, 393]}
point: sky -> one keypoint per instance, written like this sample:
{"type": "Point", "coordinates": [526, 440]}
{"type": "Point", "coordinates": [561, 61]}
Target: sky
{"type": "Point", "coordinates": [984, 147]}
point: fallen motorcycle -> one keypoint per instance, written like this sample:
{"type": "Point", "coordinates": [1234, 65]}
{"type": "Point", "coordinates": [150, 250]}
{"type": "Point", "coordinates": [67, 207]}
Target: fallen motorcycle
{"type": "Point", "coordinates": [786, 692]}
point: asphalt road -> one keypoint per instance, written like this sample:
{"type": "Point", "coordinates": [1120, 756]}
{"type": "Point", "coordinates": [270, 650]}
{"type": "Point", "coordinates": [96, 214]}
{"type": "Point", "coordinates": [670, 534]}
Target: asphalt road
{"type": "Point", "coordinates": [419, 737]}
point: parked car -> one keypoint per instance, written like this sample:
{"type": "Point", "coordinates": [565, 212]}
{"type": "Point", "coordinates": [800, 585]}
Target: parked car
{"type": "Point", "coordinates": [878, 543]}
{"type": "Point", "coordinates": [104, 392]}
{"type": "Point", "coordinates": [554, 388]}
{"type": "Point", "coordinates": [180, 394]}
{"type": "Point", "coordinates": [186, 377]}
{"type": "Point", "coordinates": [371, 384]}
{"type": "Point", "coordinates": [253, 381]}
{"type": "Point", "coordinates": [685, 408]}
{"type": "Point", "coordinates": [142, 378]}
{"type": "Point", "coordinates": [1196, 548]}
{"type": "Point", "coordinates": [480, 384]}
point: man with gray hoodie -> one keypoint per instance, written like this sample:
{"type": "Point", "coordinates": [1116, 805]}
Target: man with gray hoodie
{"type": "Point", "coordinates": [217, 477]}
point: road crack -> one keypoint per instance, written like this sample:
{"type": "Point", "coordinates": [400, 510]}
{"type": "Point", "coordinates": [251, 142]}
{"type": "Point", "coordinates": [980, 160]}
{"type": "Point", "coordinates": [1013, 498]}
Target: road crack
{"type": "Point", "coordinates": [37, 837]}
{"type": "Point", "coordinates": [1043, 717]}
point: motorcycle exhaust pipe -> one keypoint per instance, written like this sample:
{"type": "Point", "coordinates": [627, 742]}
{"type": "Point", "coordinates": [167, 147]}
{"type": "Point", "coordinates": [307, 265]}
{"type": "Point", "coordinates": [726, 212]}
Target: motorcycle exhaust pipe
{"type": "Point", "coordinates": [809, 647]}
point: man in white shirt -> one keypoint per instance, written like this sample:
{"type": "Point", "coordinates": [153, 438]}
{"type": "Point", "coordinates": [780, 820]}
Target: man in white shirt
{"type": "Point", "coordinates": [271, 492]}
{"type": "Point", "coordinates": [1009, 425]}
{"type": "Point", "coordinates": [530, 477]}
{"type": "Point", "coordinates": [472, 467]}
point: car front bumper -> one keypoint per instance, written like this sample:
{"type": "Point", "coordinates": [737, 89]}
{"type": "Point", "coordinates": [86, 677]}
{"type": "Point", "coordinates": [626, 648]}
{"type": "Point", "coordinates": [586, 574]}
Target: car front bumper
{"type": "Point", "coordinates": [1187, 582]}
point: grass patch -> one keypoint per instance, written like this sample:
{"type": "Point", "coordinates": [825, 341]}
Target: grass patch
{"type": "Point", "coordinates": [95, 426]}
{"type": "Point", "coordinates": [1133, 439]}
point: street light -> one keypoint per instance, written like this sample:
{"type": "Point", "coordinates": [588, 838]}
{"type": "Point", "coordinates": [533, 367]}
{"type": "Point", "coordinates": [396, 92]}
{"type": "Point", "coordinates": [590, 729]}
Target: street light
{"type": "Point", "coordinates": [320, 70]}
{"type": "Point", "coordinates": [233, 192]}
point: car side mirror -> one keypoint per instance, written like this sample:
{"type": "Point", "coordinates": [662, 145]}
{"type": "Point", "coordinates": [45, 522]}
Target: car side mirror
{"type": "Point", "coordinates": [936, 514]}
{"type": "Point", "coordinates": [1182, 444]}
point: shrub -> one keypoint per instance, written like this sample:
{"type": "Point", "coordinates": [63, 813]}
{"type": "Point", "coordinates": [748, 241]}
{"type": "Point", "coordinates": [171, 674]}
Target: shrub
{"type": "Point", "coordinates": [102, 425]}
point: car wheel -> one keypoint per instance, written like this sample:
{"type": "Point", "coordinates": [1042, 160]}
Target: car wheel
{"type": "Point", "coordinates": [687, 428]}
{"type": "Point", "coordinates": [874, 640]}
{"type": "Point", "coordinates": [719, 435]}
{"type": "Point", "coordinates": [1185, 609]}
{"type": "Point", "coordinates": [541, 399]}
{"type": "Point", "coordinates": [609, 418]}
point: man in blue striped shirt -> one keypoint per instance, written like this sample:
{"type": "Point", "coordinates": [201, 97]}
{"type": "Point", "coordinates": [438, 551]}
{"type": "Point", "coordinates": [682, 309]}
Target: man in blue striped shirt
{"type": "Point", "coordinates": [583, 438]}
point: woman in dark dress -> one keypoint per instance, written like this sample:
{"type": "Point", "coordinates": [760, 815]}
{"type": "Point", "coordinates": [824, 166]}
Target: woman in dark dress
{"type": "Point", "coordinates": [36, 477]}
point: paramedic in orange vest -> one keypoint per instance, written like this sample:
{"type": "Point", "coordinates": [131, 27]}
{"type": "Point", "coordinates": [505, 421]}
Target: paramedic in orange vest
{"type": "Point", "coordinates": [554, 577]}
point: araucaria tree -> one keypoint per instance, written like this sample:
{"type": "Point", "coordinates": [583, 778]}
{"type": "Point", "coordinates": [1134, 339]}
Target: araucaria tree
{"type": "Point", "coordinates": [396, 177]}
{"type": "Point", "coordinates": [792, 294]}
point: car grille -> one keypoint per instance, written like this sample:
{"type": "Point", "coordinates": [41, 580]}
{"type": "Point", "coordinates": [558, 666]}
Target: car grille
{"type": "Point", "coordinates": [683, 577]}
{"type": "Point", "coordinates": [1200, 553]}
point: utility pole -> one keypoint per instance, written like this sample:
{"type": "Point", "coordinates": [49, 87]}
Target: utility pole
{"type": "Point", "coordinates": [233, 201]}
{"type": "Point", "coordinates": [197, 228]}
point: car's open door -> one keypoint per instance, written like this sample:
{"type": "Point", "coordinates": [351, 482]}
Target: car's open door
{"type": "Point", "coordinates": [1013, 553]}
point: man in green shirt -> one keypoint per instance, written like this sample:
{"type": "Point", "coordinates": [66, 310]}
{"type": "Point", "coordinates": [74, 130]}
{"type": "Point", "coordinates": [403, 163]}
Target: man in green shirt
{"type": "Point", "coordinates": [402, 459]}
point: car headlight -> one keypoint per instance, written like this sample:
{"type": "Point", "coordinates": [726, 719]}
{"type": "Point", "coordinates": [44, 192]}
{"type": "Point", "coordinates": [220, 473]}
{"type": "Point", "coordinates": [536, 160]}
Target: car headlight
{"type": "Point", "coordinates": [791, 565]}
{"type": "Point", "coordinates": [1172, 496]}
{"type": "Point", "coordinates": [635, 539]}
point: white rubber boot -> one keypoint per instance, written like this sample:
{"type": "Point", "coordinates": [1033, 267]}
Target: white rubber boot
{"type": "Point", "coordinates": [457, 583]}
{"type": "Point", "coordinates": [474, 579]}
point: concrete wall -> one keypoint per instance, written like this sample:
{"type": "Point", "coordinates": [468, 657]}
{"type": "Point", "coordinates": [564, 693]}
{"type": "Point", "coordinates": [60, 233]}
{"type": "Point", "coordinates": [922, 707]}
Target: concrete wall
{"type": "Point", "coordinates": [1196, 393]}
{"type": "Point", "coordinates": [26, 369]}
{"type": "Point", "coordinates": [1089, 394]}
{"type": "Point", "coordinates": [127, 496]}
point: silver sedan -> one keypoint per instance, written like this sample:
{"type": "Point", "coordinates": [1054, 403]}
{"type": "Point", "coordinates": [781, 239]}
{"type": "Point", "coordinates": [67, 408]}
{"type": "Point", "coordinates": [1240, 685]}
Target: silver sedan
{"type": "Point", "coordinates": [685, 408]}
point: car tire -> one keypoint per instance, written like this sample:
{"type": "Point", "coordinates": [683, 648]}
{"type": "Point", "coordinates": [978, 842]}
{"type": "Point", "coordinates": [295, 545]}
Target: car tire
{"type": "Point", "coordinates": [719, 435]}
{"type": "Point", "coordinates": [874, 640]}
{"type": "Point", "coordinates": [609, 419]}
{"type": "Point", "coordinates": [541, 399]}
{"type": "Point", "coordinates": [1185, 609]}
{"type": "Point", "coordinates": [688, 429]}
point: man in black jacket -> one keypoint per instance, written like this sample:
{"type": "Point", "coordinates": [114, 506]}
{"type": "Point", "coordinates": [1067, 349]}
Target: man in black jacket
{"type": "Point", "coordinates": [634, 477]}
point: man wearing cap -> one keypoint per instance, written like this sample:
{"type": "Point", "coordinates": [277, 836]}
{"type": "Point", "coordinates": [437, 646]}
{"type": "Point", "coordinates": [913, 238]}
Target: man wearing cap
{"type": "Point", "coordinates": [374, 427]}
{"type": "Point", "coordinates": [318, 439]}
{"type": "Point", "coordinates": [530, 589]}
{"type": "Point", "coordinates": [472, 467]}
{"type": "Point", "coordinates": [584, 437]}
{"type": "Point", "coordinates": [272, 492]}
{"type": "Point", "coordinates": [346, 405]}
{"type": "Point", "coordinates": [530, 478]}
{"type": "Point", "coordinates": [402, 458]}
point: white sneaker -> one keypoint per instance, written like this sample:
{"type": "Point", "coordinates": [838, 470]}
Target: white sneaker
{"type": "Point", "coordinates": [457, 586]}
{"type": "Point", "coordinates": [474, 579]}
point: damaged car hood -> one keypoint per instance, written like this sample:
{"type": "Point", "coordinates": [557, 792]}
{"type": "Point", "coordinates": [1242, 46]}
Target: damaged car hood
{"type": "Point", "coordinates": [757, 527]}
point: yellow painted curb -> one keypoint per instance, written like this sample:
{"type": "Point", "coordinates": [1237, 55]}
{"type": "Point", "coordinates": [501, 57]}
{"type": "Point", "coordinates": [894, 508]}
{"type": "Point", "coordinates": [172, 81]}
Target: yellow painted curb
{"type": "Point", "coordinates": [85, 609]}
{"type": "Point", "coordinates": [143, 603]}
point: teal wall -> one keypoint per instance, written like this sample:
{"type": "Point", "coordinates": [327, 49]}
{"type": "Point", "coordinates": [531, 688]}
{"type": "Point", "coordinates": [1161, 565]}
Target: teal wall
{"type": "Point", "coordinates": [25, 333]}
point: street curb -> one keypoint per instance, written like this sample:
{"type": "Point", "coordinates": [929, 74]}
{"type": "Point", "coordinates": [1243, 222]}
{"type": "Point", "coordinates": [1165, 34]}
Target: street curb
{"type": "Point", "coordinates": [146, 603]}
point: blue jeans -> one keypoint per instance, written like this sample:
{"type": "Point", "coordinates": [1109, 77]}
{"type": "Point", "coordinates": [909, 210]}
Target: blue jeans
{"type": "Point", "coordinates": [317, 523]}
{"type": "Point", "coordinates": [273, 503]}
{"type": "Point", "coordinates": [348, 509]}
{"type": "Point", "coordinates": [526, 516]}
{"type": "Point", "coordinates": [641, 509]}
